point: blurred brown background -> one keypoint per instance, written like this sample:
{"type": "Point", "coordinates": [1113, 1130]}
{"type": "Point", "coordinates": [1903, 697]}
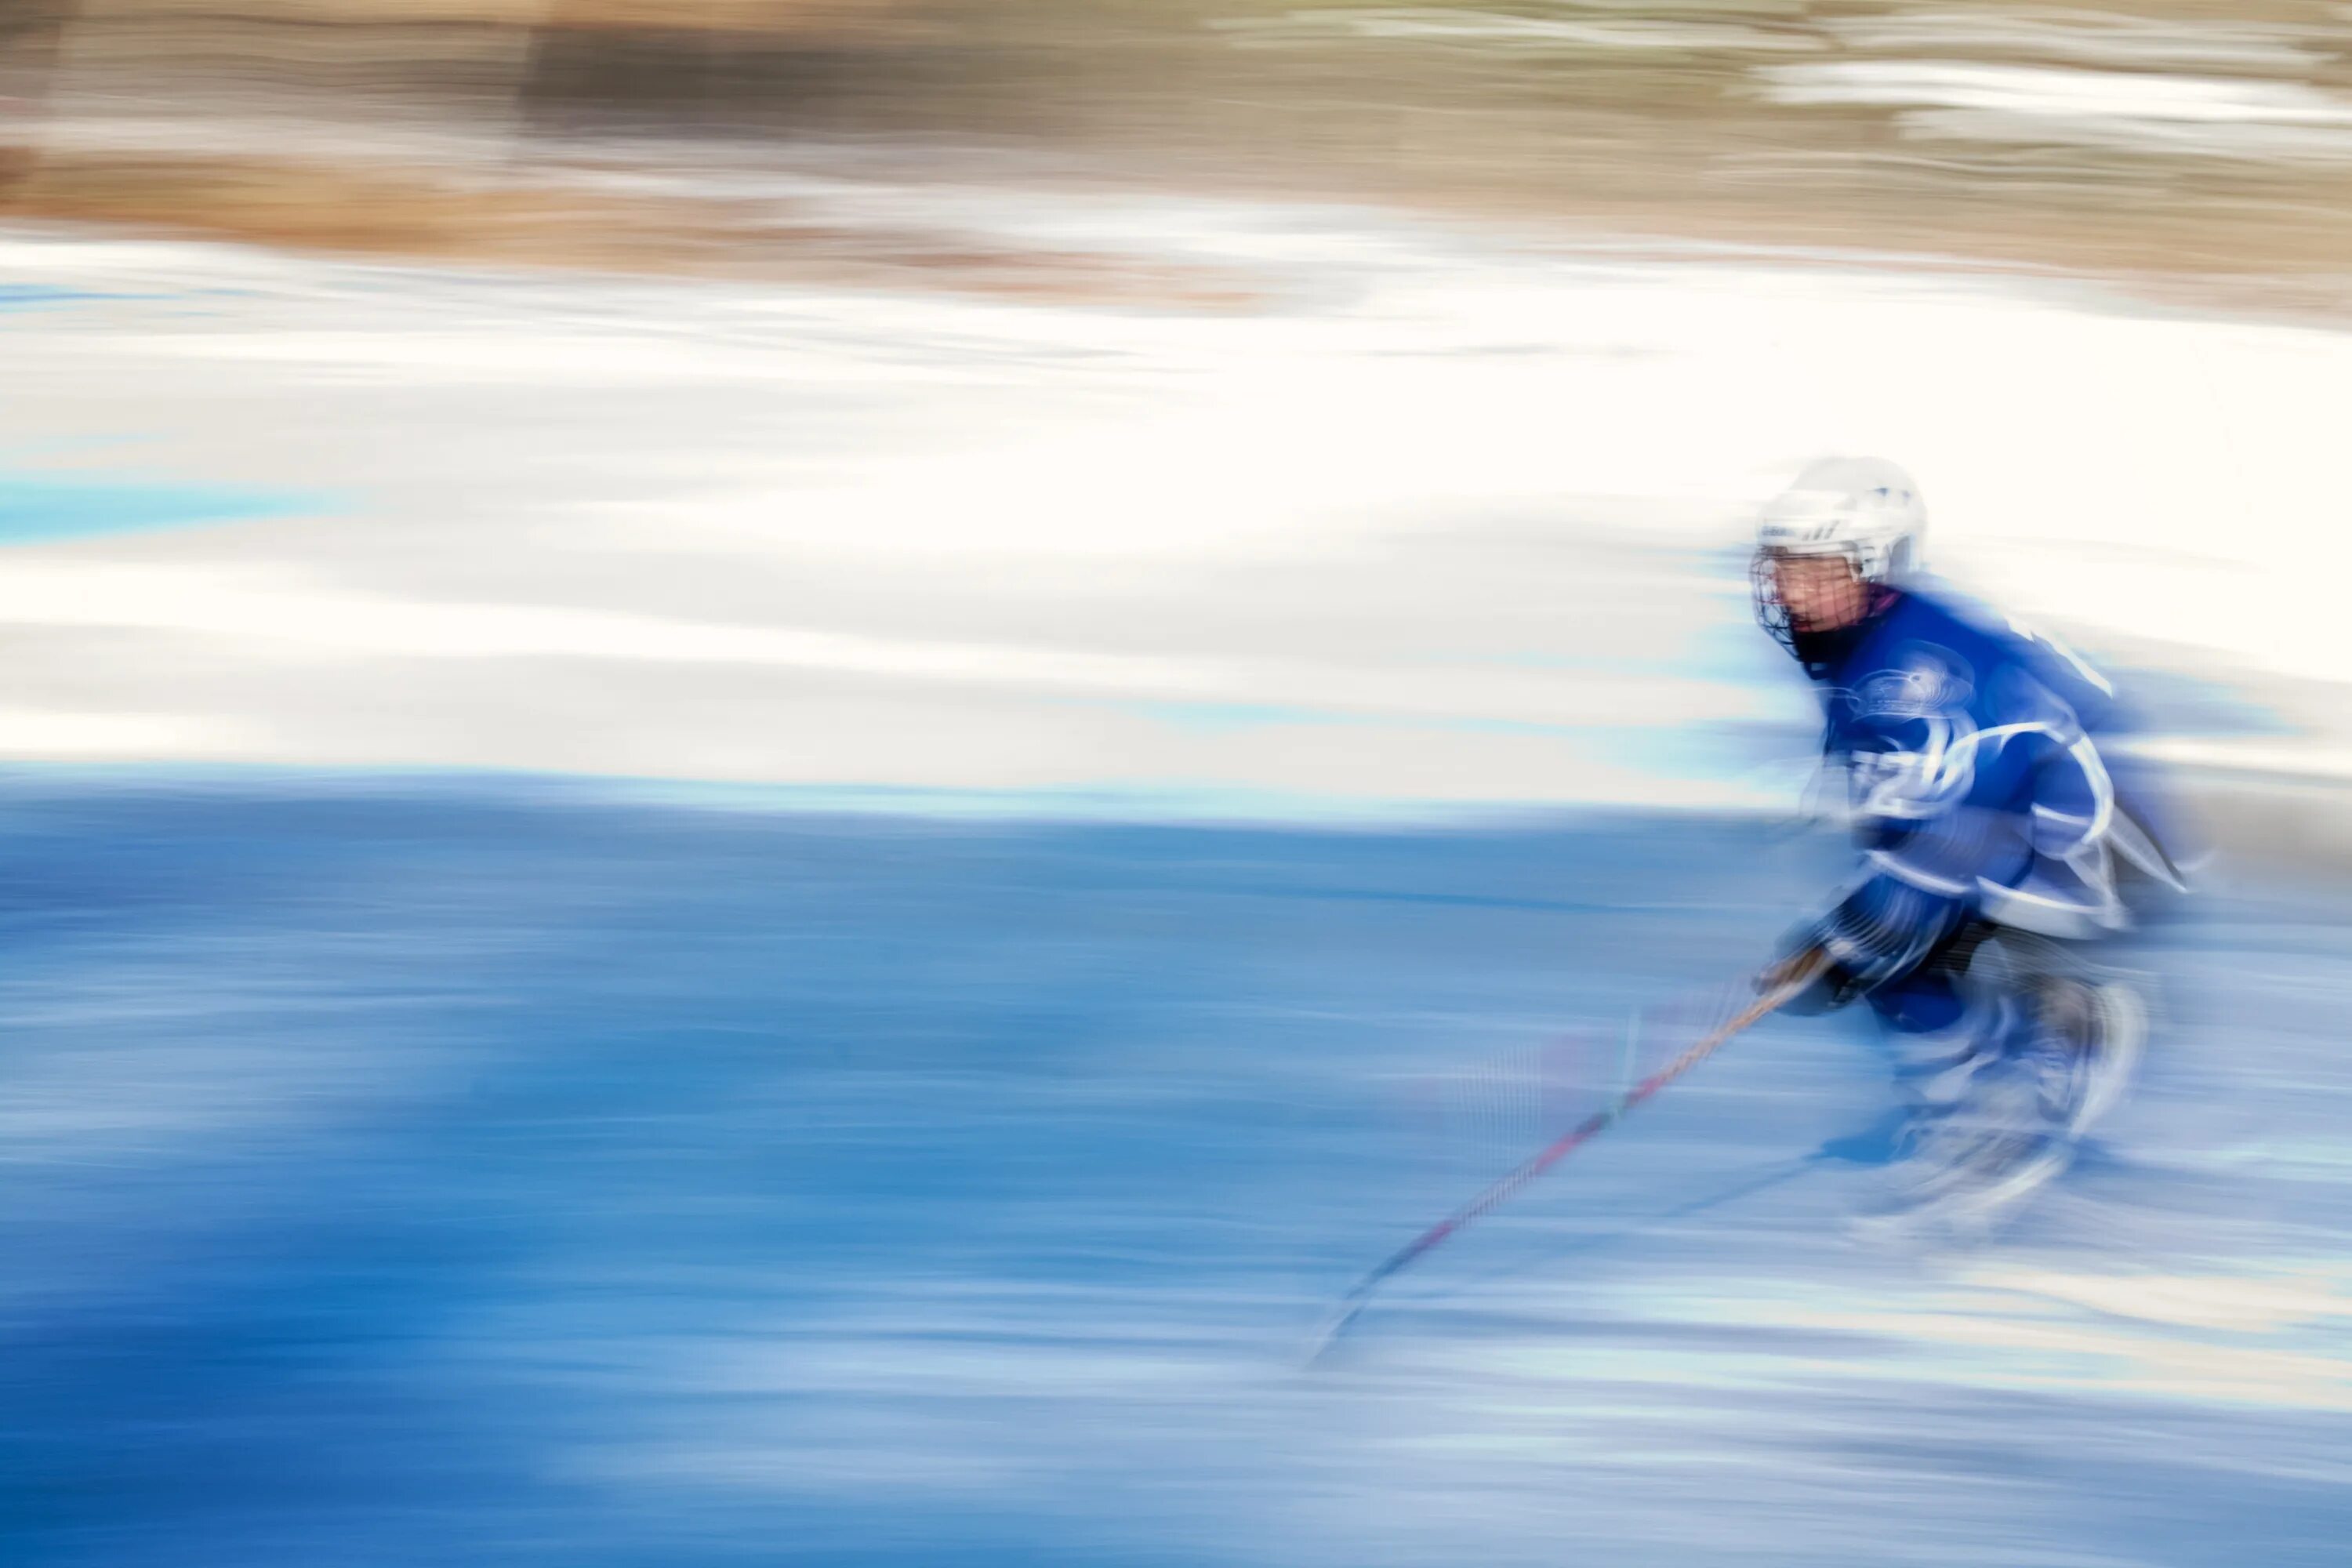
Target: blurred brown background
{"type": "Point", "coordinates": [2189, 147]}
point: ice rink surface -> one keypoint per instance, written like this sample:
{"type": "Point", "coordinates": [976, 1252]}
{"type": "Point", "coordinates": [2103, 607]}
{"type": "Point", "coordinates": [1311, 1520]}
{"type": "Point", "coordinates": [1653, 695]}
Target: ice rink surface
{"type": "Point", "coordinates": [501, 1171]}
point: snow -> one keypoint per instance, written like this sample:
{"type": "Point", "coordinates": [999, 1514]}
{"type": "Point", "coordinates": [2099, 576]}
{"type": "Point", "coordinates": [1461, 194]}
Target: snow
{"type": "Point", "coordinates": [1375, 538]}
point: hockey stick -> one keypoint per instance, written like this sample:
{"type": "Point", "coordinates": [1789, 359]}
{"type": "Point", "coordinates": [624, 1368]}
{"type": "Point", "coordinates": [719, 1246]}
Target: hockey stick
{"type": "Point", "coordinates": [1352, 1304]}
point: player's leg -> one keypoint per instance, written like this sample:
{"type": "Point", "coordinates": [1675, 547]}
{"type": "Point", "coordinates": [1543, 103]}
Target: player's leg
{"type": "Point", "coordinates": [1960, 1053]}
{"type": "Point", "coordinates": [2088, 1024]}
{"type": "Point", "coordinates": [1942, 1032]}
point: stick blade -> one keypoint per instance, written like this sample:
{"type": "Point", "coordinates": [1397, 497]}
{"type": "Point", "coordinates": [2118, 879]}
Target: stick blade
{"type": "Point", "coordinates": [1335, 1327]}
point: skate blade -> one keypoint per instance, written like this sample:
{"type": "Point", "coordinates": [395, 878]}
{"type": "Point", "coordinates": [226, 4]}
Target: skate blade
{"type": "Point", "coordinates": [1968, 1194]}
{"type": "Point", "coordinates": [2112, 1078]}
{"type": "Point", "coordinates": [1972, 1207]}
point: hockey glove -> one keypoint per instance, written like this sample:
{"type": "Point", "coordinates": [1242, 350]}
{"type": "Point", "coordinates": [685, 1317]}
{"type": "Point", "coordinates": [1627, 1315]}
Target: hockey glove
{"type": "Point", "coordinates": [1831, 988]}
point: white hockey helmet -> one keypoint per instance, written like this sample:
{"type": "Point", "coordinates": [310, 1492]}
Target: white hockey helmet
{"type": "Point", "coordinates": [1865, 509]}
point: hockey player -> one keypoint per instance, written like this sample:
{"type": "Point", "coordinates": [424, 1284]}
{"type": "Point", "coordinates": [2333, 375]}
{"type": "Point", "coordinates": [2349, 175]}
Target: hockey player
{"type": "Point", "coordinates": [2000, 841]}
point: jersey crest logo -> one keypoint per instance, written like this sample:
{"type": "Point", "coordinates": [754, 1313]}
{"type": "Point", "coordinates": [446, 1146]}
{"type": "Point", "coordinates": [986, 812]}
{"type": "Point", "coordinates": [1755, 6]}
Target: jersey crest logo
{"type": "Point", "coordinates": [1930, 683]}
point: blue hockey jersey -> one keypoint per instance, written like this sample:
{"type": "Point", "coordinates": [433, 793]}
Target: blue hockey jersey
{"type": "Point", "coordinates": [1973, 750]}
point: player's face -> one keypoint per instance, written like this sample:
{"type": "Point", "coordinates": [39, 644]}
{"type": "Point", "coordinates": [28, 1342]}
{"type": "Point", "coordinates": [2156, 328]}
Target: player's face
{"type": "Point", "coordinates": [1823, 593]}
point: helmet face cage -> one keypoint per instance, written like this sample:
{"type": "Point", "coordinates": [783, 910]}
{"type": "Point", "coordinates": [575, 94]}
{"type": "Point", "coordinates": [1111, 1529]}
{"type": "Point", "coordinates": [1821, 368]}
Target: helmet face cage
{"type": "Point", "coordinates": [1865, 511]}
{"type": "Point", "coordinates": [1765, 588]}
{"type": "Point", "coordinates": [1874, 569]}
